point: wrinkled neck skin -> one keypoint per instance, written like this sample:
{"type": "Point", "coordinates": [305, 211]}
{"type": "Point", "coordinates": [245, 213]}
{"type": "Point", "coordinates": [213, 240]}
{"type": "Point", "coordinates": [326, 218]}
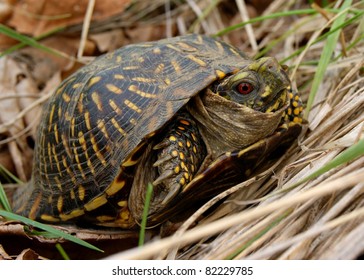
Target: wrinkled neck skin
{"type": "Point", "coordinates": [228, 126]}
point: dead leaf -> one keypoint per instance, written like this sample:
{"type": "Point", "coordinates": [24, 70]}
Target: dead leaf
{"type": "Point", "coordinates": [28, 254]}
{"type": "Point", "coordinates": [37, 17]}
{"type": "Point", "coordinates": [3, 254]}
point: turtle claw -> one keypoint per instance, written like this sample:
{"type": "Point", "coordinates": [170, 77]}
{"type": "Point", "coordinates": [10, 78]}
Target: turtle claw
{"type": "Point", "coordinates": [164, 176]}
{"type": "Point", "coordinates": [162, 160]}
{"type": "Point", "coordinates": [173, 191]}
{"type": "Point", "coordinates": [165, 143]}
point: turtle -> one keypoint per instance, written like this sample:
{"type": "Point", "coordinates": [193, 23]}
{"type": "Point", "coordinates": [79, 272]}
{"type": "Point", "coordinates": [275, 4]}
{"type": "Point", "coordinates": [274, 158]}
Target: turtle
{"type": "Point", "coordinates": [190, 115]}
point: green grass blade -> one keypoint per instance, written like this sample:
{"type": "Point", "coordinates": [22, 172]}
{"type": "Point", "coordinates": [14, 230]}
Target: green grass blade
{"type": "Point", "coordinates": [351, 153]}
{"type": "Point", "coordinates": [62, 252]}
{"type": "Point", "coordinates": [37, 38]}
{"type": "Point", "coordinates": [10, 175]}
{"type": "Point", "coordinates": [270, 16]}
{"type": "Point", "coordinates": [357, 16]}
{"type": "Point", "coordinates": [326, 55]}
{"type": "Point", "coordinates": [143, 225]}
{"type": "Point", "coordinates": [4, 202]}
{"type": "Point", "coordinates": [28, 41]}
{"type": "Point", "coordinates": [48, 228]}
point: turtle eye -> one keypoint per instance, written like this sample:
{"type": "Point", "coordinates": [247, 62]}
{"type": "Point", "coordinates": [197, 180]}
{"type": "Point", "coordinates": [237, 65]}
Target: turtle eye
{"type": "Point", "coordinates": [244, 88]}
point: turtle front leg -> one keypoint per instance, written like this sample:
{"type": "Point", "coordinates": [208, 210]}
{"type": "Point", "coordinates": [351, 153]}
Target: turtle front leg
{"type": "Point", "coordinates": [293, 114]}
{"type": "Point", "coordinates": [180, 154]}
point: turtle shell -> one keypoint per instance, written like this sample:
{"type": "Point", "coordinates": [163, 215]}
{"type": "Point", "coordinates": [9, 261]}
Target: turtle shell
{"type": "Point", "coordinates": [96, 124]}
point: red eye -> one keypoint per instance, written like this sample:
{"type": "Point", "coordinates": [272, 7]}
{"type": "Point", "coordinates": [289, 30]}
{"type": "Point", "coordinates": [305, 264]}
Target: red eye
{"type": "Point", "coordinates": [245, 88]}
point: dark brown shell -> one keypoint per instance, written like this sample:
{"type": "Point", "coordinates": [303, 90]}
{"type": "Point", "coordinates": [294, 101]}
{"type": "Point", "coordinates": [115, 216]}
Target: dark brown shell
{"type": "Point", "coordinates": [97, 118]}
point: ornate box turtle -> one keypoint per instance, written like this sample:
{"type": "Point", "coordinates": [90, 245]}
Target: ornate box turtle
{"type": "Point", "coordinates": [192, 115]}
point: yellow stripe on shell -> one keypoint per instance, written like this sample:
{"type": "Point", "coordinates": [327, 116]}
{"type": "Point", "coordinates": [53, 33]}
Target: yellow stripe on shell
{"type": "Point", "coordinates": [115, 107]}
{"type": "Point", "coordinates": [131, 67]}
{"type": "Point", "coordinates": [135, 89]}
{"type": "Point", "coordinates": [94, 80]}
{"type": "Point", "coordinates": [72, 194]}
{"type": "Point", "coordinates": [114, 88]}
{"type": "Point", "coordinates": [49, 218]}
{"type": "Point", "coordinates": [186, 46]}
{"type": "Point", "coordinates": [82, 141]}
{"type": "Point", "coordinates": [97, 100]}
{"type": "Point", "coordinates": [117, 126]}
{"type": "Point", "coordinates": [132, 106]}
{"type": "Point", "coordinates": [102, 127]}
{"type": "Point", "coordinates": [96, 203]}
{"type": "Point", "coordinates": [87, 120]}
{"type": "Point", "coordinates": [73, 214]}
{"type": "Point", "coordinates": [66, 97]}
{"type": "Point", "coordinates": [197, 60]}
{"type": "Point", "coordinates": [35, 206]}
{"type": "Point", "coordinates": [115, 187]}
{"type": "Point", "coordinates": [173, 47]}
{"type": "Point", "coordinates": [219, 47]}
{"type": "Point", "coordinates": [51, 117]}
{"type": "Point", "coordinates": [159, 68]}
{"type": "Point", "coordinates": [119, 77]}
{"type": "Point", "coordinates": [157, 51]}
{"type": "Point", "coordinates": [73, 127]}
{"type": "Point", "coordinates": [56, 135]}
{"type": "Point", "coordinates": [176, 66]}
{"type": "Point", "coordinates": [97, 150]}
{"type": "Point", "coordinates": [77, 85]}
{"type": "Point", "coordinates": [89, 164]}
{"type": "Point", "coordinates": [60, 203]}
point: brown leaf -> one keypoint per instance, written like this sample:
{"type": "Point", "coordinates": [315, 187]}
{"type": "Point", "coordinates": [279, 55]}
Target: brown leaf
{"type": "Point", "coordinates": [3, 254]}
{"type": "Point", "coordinates": [37, 17]}
{"type": "Point", "coordinates": [28, 254]}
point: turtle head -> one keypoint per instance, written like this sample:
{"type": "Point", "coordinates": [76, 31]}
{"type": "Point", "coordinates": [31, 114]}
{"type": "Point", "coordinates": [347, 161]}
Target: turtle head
{"type": "Point", "coordinates": [261, 85]}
